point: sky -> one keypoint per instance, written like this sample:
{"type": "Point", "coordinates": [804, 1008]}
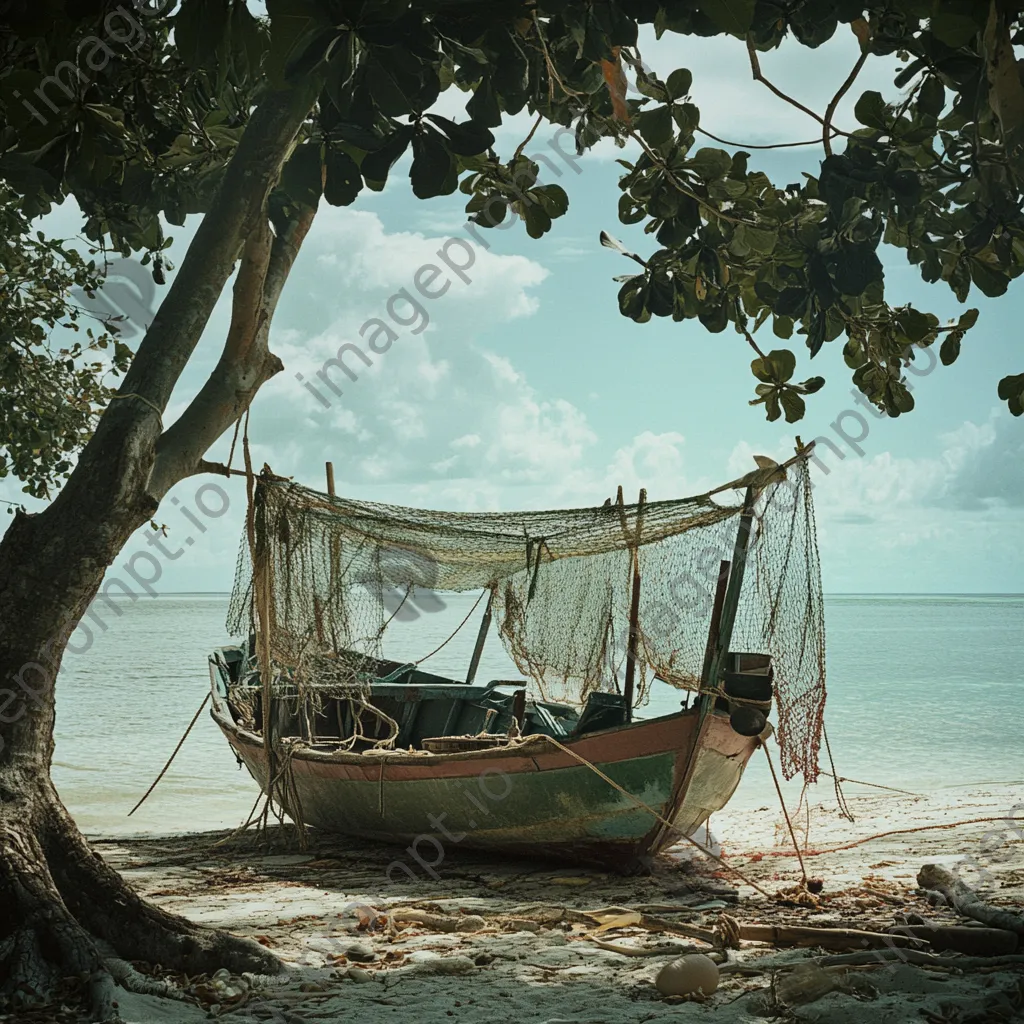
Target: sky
{"type": "Point", "coordinates": [522, 386]}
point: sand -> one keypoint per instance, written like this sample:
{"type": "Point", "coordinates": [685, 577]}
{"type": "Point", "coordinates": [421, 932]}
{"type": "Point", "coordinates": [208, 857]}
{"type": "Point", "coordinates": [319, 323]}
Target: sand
{"type": "Point", "coordinates": [525, 954]}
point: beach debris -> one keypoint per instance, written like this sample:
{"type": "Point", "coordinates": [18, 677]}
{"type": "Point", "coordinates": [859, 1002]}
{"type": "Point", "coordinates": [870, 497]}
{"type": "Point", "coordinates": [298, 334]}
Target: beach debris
{"type": "Point", "coordinates": [807, 983]}
{"type": "Point", "coordinates": [220, 989]}
{"type": "Point", "coordinates": [825, 938]}
{"type": "Point", "coordinates": [975, 941]}
{"type": "Point", "coordinates": [361, 952]}
{"type": "Point", "coordinates": [438, 922]}
{"type": "Point", "coordinates": [614, 947]}
{"type": "Point", "coordinates": [965, 900]}
{"type": "Point", "coordinates": [361, 917]}
{"type": "Point", "coordinates": [437, 965]}
{"type": "Point", "coordinates": [694, 973]}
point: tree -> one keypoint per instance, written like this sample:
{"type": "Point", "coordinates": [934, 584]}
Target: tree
{"type": "Point", "coordinates": [145, 115]}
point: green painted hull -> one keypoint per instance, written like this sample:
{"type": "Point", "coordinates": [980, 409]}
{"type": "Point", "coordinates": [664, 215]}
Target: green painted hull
{"type": "Point", "coordinates": [534, 798]}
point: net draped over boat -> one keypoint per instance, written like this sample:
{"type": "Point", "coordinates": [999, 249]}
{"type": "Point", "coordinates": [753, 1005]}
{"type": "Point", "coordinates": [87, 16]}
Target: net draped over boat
{"type": "Point", "coordinates": [332, 572]}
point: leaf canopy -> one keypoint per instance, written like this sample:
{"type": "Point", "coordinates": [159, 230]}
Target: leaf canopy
{"type": "Point", "coordinates": [135, 111]}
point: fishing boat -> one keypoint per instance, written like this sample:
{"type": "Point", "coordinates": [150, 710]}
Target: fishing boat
{"type": "Point", "coordinates": [716, 595]}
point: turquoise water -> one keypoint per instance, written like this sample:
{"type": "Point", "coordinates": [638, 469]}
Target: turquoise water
{"type": "Point", "coordinates": [925, 693]}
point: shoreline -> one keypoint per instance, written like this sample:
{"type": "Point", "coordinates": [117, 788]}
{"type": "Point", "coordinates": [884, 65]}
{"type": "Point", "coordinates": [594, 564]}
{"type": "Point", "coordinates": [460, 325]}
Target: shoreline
{"type": "Point", "coordinates": [523, 952]}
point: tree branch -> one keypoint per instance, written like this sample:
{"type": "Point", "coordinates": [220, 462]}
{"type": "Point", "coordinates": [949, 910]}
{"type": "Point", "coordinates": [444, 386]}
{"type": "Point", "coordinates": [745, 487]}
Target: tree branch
{"type": "Point", "coordinates": [827, 131]}
{"type": "Point", "coordinates": [1005, 89]}
{"type": "Point", "coordinates": [755, 68]}
{"type": "Point", "coordinates": [246, 361]}
{"type": "Point", "coordinates": [119, 456]}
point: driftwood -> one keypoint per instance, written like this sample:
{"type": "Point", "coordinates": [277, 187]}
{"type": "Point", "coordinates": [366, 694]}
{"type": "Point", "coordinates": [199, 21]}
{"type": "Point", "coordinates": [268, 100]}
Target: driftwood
{"type": "Point", "coordinates": [914, 956]}
{"type": "Point", "coordinates": [675, 949]}
{"type": "Point", "coordinates": [827, 938]}
{"type": "Point", "coordinates": [438, 922]}
{"type": "Point", "coordinates": [876, 958]}
{"type": "Point", "coordinates": [961, 939]}
{"type": "Point", "coordinates": [966, 901]}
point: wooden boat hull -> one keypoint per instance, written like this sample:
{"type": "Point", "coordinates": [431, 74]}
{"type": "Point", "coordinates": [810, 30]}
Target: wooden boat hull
{"type": "Point", "coordinates": [531, 799]}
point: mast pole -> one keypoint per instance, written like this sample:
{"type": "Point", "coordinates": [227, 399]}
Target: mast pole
{"type": "Point", "coordinates": [730, 605]}
{"type": "Point", "coordinates": [634, 612]}
{"type": "Point", "coordinates": [478, 650]}
{"type": "Point", "coordinates": [330, 478]}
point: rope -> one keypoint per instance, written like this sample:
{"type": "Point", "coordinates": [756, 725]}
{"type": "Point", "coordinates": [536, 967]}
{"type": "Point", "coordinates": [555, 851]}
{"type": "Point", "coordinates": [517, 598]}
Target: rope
{"type": "Point", "coordinates": [457, 628]}
{"type": "Point", "coordinates": [785, 813]}
{"type": "Point", "coordinates": [844, 809]}
{"type": "Point", "coordinates": [874, 785]}
{"type": "Point", "coordinates": [401, 605]}
{"type": "Point", "coordinates": [141, 398]}
{"type": "Point", "coordinates": [234, 439]}
{"type": "Point", "coordinates": [882, 835]}
{"type": "Point", "coordinates": [650, 810]}
{"type": "Point", "coordinates": [195, 718]}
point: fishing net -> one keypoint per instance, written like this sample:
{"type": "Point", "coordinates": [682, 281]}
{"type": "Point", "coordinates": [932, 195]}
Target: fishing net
{"type": "Point", "coordinates": [331, 573]}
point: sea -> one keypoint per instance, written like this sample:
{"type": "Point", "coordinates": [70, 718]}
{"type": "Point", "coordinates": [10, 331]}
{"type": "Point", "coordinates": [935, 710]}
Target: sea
{"type": "Point", "coordinates": [925, 694]}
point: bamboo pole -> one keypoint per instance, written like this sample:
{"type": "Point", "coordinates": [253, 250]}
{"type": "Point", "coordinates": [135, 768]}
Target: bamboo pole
{"type": "Point", "coordinates": [634, 612]}
{"type": "Point", "coordinates": [481, 637]}
{"type": "Point", "coordinates": [731, 601]}
{"type": "Point", "coordinates": [716, 619]}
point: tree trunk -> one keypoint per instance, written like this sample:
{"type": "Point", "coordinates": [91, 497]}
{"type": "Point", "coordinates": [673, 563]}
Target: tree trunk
{"type": "Point", "coordinates": [57, 897]}
{"type": "Point", "coordinates": [62, 909]}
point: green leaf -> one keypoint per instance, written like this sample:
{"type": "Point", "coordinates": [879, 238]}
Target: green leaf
{"type": "Point", "coordinates": [629, 211]}
{"type": "Point", "coordinates": [792, 404]}
{"type": "Point", "coordinates": [762, 240]}
{"type": "Point", "coordinates": [466, 139]}
{"type": "Point", "coordinates": [992, 282]}
{"type": "Point", "coordinates": [306, 58]}
{"type": "Point", "coordinates": [655, 125]}
{"type": "Point", "coordinates": [686, 116]}
{"type": "Point", "coordinates": [343, 182]}
{"type": "Point", "coordinates": [376, 165]}
{"type": "Point", "coordinates": [483, 106]}
{"type": "Point", "coordinates": [734, 16]}
{"type": "Point", "coordinates": [762, 370]}
{"type": "Point", "coordinates": [783, 363]}
{"type": "Point", "coordinates": [552, 198]}
{"type": "Point", "coordinates": [199, 28]}
{"type": "Point", "coordinates": [1011, 391]}
{"type": "Point", "coordinates": [856, 267]}
{"type": "Point", "coordinates": [968, 319]}
{"type": "Point", "coordinates": [812, 385]}
{"type": "Point", "coordinates": [870, 110]}
{"type": "Point", "coordinates": [957, 22]}
{"type": "Point", "coordinates": [782, 327]}
{"type": "Point", "coordinates": [932, 97]}
{"type": "Point", "coordinates": [537, 220]}
{"type": "Point", "coordinates": [679, 83]}
{"type": "Point", "coordinates": [302, 176]}
{"type": "Point", "coordinates": [792, 302]}
{"type": "Point", "coordinates": [914, 324]}
{"type": "Point", "coordinates": [432, 165]}
{"type": "Point", "coordinates": [711, 164]}
{"type": "Point", "coordinates": [950, 348]}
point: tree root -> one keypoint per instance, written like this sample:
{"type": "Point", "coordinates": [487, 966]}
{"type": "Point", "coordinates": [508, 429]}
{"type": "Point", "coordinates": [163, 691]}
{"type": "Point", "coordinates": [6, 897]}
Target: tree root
{"type": "Point", "coordinates": [132, 981]}
{"type": "Point", "coordinates": [65, 913]}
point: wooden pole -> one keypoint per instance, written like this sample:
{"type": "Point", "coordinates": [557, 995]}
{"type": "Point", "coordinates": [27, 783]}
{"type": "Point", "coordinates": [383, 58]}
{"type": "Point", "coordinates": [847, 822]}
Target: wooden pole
{"type": "Point", "coordinates": [731, 602]}
{"type": "Point", "coordinates": [634, 611]}
{"type": "Point", "coordinates": [716, 620]}
{"type": "Point", "coordinates": [330, 478]}
{"type": "Point", "coordinates": [481, 637]}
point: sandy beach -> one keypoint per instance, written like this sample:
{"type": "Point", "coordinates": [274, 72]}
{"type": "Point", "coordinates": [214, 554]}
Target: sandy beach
{"type": "Point", "coordinates": [530, 942]}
